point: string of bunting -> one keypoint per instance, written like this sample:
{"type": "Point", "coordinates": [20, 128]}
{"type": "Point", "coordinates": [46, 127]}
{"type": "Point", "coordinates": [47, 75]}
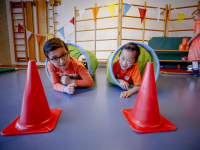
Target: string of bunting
{"type": "Point", "coordinates": [38, 36]}
{"type": "Point", "coordinates": [95, 10]}
{"type": "Point", "coordinates": [126, 8]}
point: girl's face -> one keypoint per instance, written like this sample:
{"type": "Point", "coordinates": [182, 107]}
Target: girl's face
{"type": "Point", "coordinates": [127, 59]}
{"type": "Point", "coordinates": [59, 58]}
{"type": "Point", "coordinates": [196, 17]}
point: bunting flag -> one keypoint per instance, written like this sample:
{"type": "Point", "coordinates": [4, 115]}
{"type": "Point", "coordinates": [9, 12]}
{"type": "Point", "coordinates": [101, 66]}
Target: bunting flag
{"type": "Point", "coordinates": [81, 11]}
{"type": "Point", "coordinates": [126, 8]}
{"type": "Point", "coordinates": [49, 36]}
{"type": "Point", "coordinates": [157, 12]}
{"type": "Point", "coordinates": [19, 27]}
{"type": "Point", "coordinates": [38, 37]}
{"type": "Point", "coordinates": [72, 21]}
{"type": "Point", "coordinates": [142, 13]}
{"type": "Point", "coordinates": [95, 12]}
{"type": "Point", "coordinates": [180, 17]}
{"type": "Point", "coordinates": [28, 34]}
{"type": "Point", "coordinates": [111, 9]}
{"type": "Point", "coordinates": [61, 30]}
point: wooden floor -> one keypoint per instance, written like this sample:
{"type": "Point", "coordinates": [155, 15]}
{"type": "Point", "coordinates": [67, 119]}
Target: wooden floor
{"type": "Point", "coordinates": [91, 119]}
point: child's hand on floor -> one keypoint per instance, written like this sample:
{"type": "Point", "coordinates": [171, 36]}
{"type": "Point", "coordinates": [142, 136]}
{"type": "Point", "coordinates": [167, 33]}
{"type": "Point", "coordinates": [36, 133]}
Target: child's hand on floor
{"type": "Point", "coordinates": [125, 94]}
{"type": "Point", "coordinates": [123, 84]}
{"type": "Point", "coordinates": [70, 88]}
{"type": "Point", "coordinates": [66, 80]}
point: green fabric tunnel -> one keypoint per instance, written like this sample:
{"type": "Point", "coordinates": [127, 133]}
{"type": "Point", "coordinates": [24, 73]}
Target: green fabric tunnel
{"type": "Point", "coordinates": [147, 54]}
{"type": "Point", "coordinates": [76, 51]}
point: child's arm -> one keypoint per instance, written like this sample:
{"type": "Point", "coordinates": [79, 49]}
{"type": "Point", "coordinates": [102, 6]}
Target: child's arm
{"type": "Point", "coordinates": [67, 80]}
{"type": "Point", "coordinates": [56, 81]}
{"type": "Point", "coordinates": [195, 35]}
{"type": "Point", "coordinates": [69, 88]}
{"type": "Point", "coordinates": [54, 78]}
{"type": "Point", "coordinates": [128, 93]}
{"type": "Point", "coordinates": [86, 79]}
{"type": "Point", "coordinates": [123, 84]}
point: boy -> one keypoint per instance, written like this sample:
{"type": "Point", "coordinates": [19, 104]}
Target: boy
{"type": "Point", "coordinates": [126, 69]}
{"type": "Point", "coordinates": [62, 66]}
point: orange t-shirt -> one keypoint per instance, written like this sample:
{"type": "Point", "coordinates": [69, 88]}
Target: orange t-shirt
{"type": "Point", "coordinates": [132, 75]}
{"type": "Point", "coordinates": [75, 70]}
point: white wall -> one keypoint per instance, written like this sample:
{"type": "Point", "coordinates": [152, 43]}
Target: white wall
{"type": "Point", "coordinates": [65, 13]}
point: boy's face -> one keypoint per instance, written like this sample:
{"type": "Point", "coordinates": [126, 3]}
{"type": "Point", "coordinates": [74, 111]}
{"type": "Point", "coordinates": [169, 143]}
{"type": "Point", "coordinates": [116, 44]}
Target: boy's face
{"type": "Point", "coordinates": [196, 17]}
{"type": "Point", "coordinates": [59, 58]}
{"type": "Point", "coordinates": [127, 59]}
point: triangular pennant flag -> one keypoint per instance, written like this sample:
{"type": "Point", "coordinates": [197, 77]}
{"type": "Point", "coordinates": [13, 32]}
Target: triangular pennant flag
{"type": "Point", "coordinates": [142, 13]}
{"type": "Point", "coordinates": [157, 12]}
{"type": "Point", "coordinates": [19, 27]}
{"type": "Point", "coordinates": [81, 11]}
{"type": "Point", "coordinates": [180, 17]}
{"type": "Point", "coordinates": [126, 8]}
{"type": "Point", "coordinates": [38, 37]}
{"type": "Point", "coordinates": [95, 12]}
{"type": "Point", "coordinates": [111, 9]}
{"type": "Point", "coordinates": [62, 32]}
{"type": "Point", "coordinates": [72, 21]}
{"type": "Point", "coordinates": [49, 36]}
{"type": "Point", "coordinates": [28, 34]}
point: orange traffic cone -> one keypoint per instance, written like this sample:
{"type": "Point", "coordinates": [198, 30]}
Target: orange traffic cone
{"type": "Point", "coordinates": [145, 116]}
{"type": "Point", "coordinates": [36, 117]}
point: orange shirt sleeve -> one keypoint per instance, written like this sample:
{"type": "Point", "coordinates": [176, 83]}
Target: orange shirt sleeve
{"type": "Point", "coordinates": [86, 79]}
{"type": "Point", "coordinates": [136, 76]}
{"type": "Point", "coordinates": [54, 77]}
{"type": "Point", "coordinates": [196, 25]}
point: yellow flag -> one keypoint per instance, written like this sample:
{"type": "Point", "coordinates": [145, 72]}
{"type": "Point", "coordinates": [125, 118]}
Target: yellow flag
{"type": "Point", "coordinates": [180, 17]}
{"type": "Point", "coordinates": [95, 12]}
{"type": "Point", "coordinates": [49, 36]}
{"type": "Point", "coordinates": [111, 9]}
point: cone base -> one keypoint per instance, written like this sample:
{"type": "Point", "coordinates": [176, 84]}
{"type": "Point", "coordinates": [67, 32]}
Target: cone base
{"type": "Point", "coordinates": [12, 130]}
{"type": "Point", "coordinates": [165, 125]}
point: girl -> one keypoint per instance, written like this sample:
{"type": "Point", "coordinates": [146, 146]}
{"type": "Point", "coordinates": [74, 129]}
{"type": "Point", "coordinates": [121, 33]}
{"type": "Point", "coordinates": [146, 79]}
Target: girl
{"type": "Point", "coordinates": [194, 51]}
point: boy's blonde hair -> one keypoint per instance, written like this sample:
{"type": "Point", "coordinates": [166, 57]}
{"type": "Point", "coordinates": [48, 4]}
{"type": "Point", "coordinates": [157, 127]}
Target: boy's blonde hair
{"type": "Point", "coordinates": [197, 12]}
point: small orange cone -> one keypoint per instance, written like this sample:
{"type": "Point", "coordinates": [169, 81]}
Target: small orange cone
{"type": "Point", "coordinates": [145, 116]}
{"type": "Point", "coordinates": [36, 116]}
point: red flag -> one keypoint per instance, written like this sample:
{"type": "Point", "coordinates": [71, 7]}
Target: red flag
{"type": "Point", "coordinates": [72, 21]}
{"type": "Point", "coordinates": [142, 13]}
{"type": "Point", "coordinates": [38, 37]}
{"type": "Point", "coordinates": [19, 27]}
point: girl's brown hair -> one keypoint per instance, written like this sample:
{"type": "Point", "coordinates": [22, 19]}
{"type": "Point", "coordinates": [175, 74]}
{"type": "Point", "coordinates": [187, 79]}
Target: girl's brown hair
{"type": "Point", "coordinates": [196, 12]}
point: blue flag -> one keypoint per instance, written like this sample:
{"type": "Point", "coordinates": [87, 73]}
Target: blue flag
{"type": "Point", "coordinates": [126, 8]}
{"type": "Point", "coordinates": [62, 32]}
